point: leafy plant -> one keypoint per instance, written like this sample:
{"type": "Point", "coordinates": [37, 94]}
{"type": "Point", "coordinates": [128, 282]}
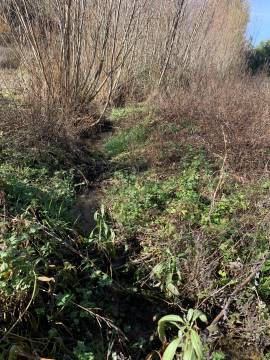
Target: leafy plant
{"type": "Point", "coordinates": [264, 281]}
{"type": "Point", "coordinates": [218, 355]}
{"type": "Point", "coordinates": [168, 275]}
{"type": "Point", "coordinates": [103, 235]}
{"type": "Point", "coordinates": [188, 339]}
{"type": "Point", "coordinates": [82, 352]}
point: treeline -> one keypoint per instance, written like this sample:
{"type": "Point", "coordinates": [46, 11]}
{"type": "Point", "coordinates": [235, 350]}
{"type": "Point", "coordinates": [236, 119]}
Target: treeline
{"type": "Point", "coordinates": [259, 58]}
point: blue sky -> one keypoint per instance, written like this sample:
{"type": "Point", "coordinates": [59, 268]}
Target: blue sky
{"type": "Point", "coordinates": [259, 26]}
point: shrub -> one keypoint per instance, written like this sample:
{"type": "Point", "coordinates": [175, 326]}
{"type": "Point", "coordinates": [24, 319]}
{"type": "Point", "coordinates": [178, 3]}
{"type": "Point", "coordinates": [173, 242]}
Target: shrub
{"type": "Point", "coordinates": [229, 119]}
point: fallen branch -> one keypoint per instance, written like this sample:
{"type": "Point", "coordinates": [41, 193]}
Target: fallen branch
{"type": "Point", "coordinates": [6, 334]}
{"type": "Point", "coordinates": [239, 288]}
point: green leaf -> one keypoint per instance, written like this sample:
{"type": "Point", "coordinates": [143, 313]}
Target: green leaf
{"type": "Point", "coordinates": [157, 270]}
{"type": "Point", "coordinates": [4, 267]}
{"type": "Point", "coordinates": [190, 314]}
{"type": "Point", "coordinates": [171, 349]}
{"type": "Point", "coordinates": [203, 318]}
{"type": "Point", "coordinates": [180, 334]}
{"type": "Point", "coordinates": [196, 343]}
{"type": "Point", "coordinates": [196, 314]}
{"type": "Point", "coordinates": [173, 289]}
{"type": "Point", "coordinates": [172, 318]}
{"type": "Point", "coordinates": [189, 352]}
{"type": "Point", "coordinates": [163, 322]}
{"type": "Point", "coordinates": [106, 229]}
{"type": "Point", "coordinates": [102, 210]}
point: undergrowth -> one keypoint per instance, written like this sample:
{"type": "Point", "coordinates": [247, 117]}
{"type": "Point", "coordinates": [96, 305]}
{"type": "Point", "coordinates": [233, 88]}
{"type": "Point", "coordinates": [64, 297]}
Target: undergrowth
{"type": "Point", "coordinates": [172, 239]}
{"type": "Point", "coordinates": [51, 278]}
{"type": "Point", "coordinates": [201, 231]}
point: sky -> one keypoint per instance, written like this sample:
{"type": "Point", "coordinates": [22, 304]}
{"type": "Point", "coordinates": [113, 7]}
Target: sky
{"type": "Point", "coordinates": [259, 26]}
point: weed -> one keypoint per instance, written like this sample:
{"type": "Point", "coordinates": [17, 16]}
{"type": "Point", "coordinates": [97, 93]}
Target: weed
{"type": "Point", "coordinates": [82, 352]}
{"type": "Point", "coordinates": [103, 235]}
{"type": "Point", "coordinates": [188, 339]}
{"type": "Point", "coordinates": [168, 276]}
{"type": "Point", "coordinates": [42, 257]}
{"type": "Point", "coordinates": [135, 199]}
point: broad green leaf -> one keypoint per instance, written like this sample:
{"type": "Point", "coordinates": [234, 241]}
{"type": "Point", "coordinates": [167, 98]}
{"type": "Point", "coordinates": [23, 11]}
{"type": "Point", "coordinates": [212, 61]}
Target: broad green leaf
{"type": "Point", "coordinates": [171, 349]}
{"type": "Point", "coordinates": [189, 352]}
{"type": "Point", "coordinates": [169, 277]}
{"type": "Point", "coordinates": [163, 322]}
{"type": "Point", "coordinates": [190, 314]}
{"type": "Point", "coordinates": [170, 318]}
{"type": "Point", "coordinates": [157, 270]}
{"type": "Point", "coordinates": [196, 314]}
{"type": "Point", "coordinates": [173, 289]}
{"type": "Point", "coordinates": [161, 331]}
{"type": "Point", "coordinates": [203, 318]}
{"type": "Point", "coordinates": [196, 343]}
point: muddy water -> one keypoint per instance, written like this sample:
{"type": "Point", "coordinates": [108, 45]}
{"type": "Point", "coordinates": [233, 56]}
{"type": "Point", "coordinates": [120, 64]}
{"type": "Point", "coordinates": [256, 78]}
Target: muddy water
{"type": "Point", "coordinates": [89, 202]}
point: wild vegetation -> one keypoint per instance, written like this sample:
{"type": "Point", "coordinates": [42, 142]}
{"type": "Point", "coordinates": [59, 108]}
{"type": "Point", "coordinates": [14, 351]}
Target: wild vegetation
{"type": "Point", "coordinates": [258, 58]}
{"type": "Point", "coordinates": [134, 181]}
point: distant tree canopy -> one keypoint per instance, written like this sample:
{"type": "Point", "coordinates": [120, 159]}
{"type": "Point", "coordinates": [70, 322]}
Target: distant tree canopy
{"type": "Point", "coordinates": [259, 58]}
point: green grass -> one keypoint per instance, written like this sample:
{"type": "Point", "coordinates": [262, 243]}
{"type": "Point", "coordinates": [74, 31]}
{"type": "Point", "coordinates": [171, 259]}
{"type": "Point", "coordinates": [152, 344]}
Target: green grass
{"type": "Point", "coordinates": [127, 138]}
{"type": "Point", "coordinates": [118, 114]}
{"type": "Point", "coordinates": [30, 186]}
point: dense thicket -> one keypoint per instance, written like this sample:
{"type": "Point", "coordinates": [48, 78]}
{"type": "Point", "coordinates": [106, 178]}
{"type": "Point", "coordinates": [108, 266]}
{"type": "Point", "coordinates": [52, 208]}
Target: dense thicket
{"type": "Point", "coordinates": [78, 51]}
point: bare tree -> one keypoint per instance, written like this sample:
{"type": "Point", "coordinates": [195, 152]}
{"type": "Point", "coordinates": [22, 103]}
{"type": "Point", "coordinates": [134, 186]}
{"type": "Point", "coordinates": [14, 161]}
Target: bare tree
{"type": "Point", "coordinates": [77, 52]}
